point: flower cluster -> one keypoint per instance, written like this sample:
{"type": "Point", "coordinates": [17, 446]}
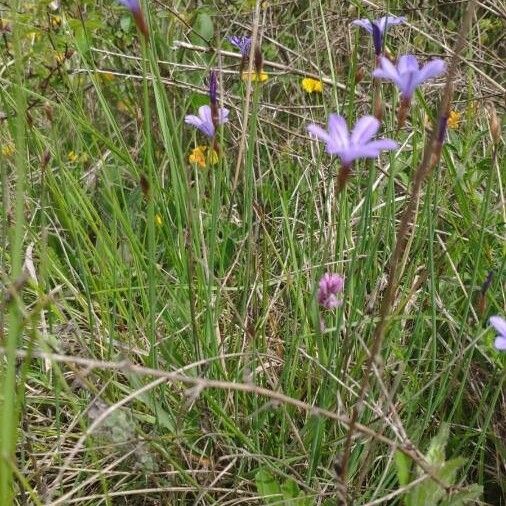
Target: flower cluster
{"type": "Point", "coordinates": [329, 287]}
{"type": "Point", "coordinates": [310, 85]}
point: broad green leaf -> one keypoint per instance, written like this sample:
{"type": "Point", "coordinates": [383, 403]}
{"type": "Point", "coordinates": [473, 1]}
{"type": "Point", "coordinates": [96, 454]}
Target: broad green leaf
{"type": "Point", "coordinates": [203, 28]}
{"type": "Point", "coordinates": [403, 466]}
{"type": "Point", "coordinates": [471, 493]}
{"type": "Point", "coordinates": [268, 487]}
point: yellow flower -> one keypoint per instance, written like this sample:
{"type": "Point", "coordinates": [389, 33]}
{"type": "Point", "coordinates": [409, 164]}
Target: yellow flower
{"type": "Point", "coordinates": [198, 156]}
{"type": "Point", "coordinates": [8, 150]}
{"type": "Point", "coordinates": [311, 85]}
{"type": "Point", "coordinates": [255, 76]}
{"type": "Point", "coordinates": [454, 119]}
{"type": "Point", "coordinates": [55, 21]}
{"type": "Point", "coordinates": [72, 156]}
{"type": "Point", "coordinates": [158, 220]}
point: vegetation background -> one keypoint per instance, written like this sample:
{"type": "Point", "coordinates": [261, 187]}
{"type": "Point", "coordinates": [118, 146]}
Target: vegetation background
{"type": "Point", "coordinates": [160, 338]}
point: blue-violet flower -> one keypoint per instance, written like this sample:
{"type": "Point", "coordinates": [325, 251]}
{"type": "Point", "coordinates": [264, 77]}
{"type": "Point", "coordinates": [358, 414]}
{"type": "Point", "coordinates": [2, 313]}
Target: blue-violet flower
{"type": "Point", "coordinates": [241, 43]}
{"type": "Point", "coordinates": [408, 75]}
{"type": "Point", "coordinates": [204, 120]}
{"type": "Point", "coordinates": [378, 28]}
{"type": "Point", "coordinates": [349, 147]}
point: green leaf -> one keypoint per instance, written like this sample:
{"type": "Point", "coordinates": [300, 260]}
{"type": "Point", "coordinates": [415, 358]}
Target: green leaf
{"type": "Point", "coordinates": [268, 487]}
{"type": "Point", "coordinates": [403, 466]}
{"type": "Point", "coordinates": [203, 28]}
{"type": "Point", "coordinates": [125, 22]}
{"type": "Point", "coordinates": [290, 489]}
{"type": "Point", "coordinates": [463, 497]}
{"type": "Point", "coordinates": [436, 453]}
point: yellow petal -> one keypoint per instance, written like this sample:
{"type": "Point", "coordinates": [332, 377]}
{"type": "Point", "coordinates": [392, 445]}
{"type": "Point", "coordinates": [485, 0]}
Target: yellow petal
{"type": "Point", "coordinates": [198, 157]}
{"type": "Point", "coordinates": [311, 85]}
{"type": "Point", "coordinates": [454, 119]}
{"type": "Point", "coordinates": [255, 76]}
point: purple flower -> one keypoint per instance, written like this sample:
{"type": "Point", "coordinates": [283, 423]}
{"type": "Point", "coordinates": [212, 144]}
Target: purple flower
{"type": "Point", "coordinates": [378, 28]}
{"type": "Point", "coordinates": [408, 75]}
{"type": "Point", "coordinates": [135, 8]}
{"type": "Point", "coordinates": [329, 287]}
{"type": "Point", "coordinates": [241, 43]}
{"type": "Point", "coordinates": [204, 121]}
{"type": "Point", "coordinates": [132, 5]}
{"type": "Point", "coordinates": [499, 323]}
{"type": "Point", "coordinates": [213, 87]}
{"type": "Point", "coordinates": [357, 145]}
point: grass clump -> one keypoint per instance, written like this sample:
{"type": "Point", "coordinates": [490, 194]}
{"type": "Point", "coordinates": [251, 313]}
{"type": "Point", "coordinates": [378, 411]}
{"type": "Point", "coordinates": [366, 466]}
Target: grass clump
{"type": "Point", "coordinates": [210, 307]}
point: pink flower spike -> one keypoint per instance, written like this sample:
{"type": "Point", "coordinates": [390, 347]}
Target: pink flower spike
{"type": "Point", "coordinates": [329, 287]}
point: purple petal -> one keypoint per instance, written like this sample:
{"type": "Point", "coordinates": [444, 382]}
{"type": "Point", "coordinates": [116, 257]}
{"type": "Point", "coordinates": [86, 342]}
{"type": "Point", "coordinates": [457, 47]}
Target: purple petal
{"type": "Point", "coordinates": [223, 115]}
{"type": "Point", "coordinates": [386, 71]}
{"type": "Point", "coordinates": [347, 155]}
{"type": "Point", "coordinates": [318, 132]}
{"type": "Point", "coordinates": [193, 120]}
{"type": "Point", "coordinates": [374, 148]}
{"type": "Point", "coordinates": [430, 70]}
{"type": "Point", "coordinates": [377, 38]}
{"type": "Point", "coordinates": [499, 324]}
{"type": "Point", "coordinates": [338, 130]}
{"type": "Point", "coordinates": [364, 23]}
{"type": "Point", "coordinates": [133, 5]}
{"type": "Point", "coordinates": [387, 21]}
{"type": "Point", "coordinates": [241, 43]}
{"type": "Point", "coordinates": [407, 63]}
{"type": "Point", "coordinates": [205, 113]}
{"type": "Point", "coordinates": [500, 343]}
{"type": "Point", "coordinates": [365, 128]}
{"type": "Point", "coordinates": [206, 127]}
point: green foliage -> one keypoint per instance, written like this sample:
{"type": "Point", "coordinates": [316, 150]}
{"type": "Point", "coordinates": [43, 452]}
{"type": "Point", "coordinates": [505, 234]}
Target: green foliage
{"type": "Point", "coordinates": [188, 273]}
{"type": "Point", "coordinates": [429, 492]}
{"type": "Point", "coordinates": [285, 493]}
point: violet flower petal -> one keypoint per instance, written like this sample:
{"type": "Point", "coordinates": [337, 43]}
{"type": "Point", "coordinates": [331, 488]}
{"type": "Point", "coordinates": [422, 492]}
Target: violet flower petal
{"type": "Point", "coordinates": [407, 63]}
{"type": "Point", "coordinates": [365, 129]}
{"type": "Point", "coordinates": [430, 70]}
{"type": "Point", "coordinates": [499, 324]}
{"type": "Point", "coordinates": [338, 130]}
{"type": "Point", "coordinates": [500, 343]}
{"type": "Point", "coordinates": [363, 23]}
{"type": "Point", "coordinates": [318, 132]}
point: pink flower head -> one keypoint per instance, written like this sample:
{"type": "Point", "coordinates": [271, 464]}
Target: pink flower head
{"type": "Point", "coordinates": [329, 287]}
{"type": "Point", "coordinates": [204, 121]}
{"type": "Point", "coordinates": [349, 147]}
{"type": "Point", "coordinates": [499, 323]}
{"type": "Point", "coordinates": [408, 75]}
